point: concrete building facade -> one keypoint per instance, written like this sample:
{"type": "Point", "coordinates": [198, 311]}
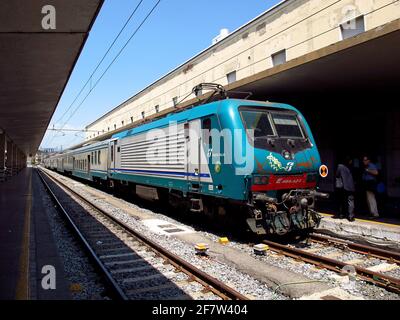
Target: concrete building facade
{"type": "Point", "coordinates": [287, 31]}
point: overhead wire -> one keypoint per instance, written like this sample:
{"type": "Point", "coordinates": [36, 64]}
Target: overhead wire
{"type": "Point", "coordinates": [102, 59]}
{"type": "Point", "coordinates": [112, 62]}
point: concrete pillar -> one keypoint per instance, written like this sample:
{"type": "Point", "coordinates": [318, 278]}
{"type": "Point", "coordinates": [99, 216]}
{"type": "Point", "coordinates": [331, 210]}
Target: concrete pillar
{"type": "Point", "coordinates": [2, 156]}
{"type": "Point", "coordinates": [15, 160]}
{"type": "Point", "coordinates": [9, 158]}
{"type": "Point", "coordinates": [18, 164]}
{"type": "Point", "coordinates": [23, 159]}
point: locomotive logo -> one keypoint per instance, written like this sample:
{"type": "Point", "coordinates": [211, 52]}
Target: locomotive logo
{"type": "Point", "coordinates": [277, 165]}
{"type": "Point", "coordinates": [288, 180]}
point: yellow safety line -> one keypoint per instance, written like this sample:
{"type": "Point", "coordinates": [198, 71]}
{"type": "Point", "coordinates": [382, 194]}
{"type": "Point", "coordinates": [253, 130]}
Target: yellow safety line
{"type": "Point", "coordinates": [22, 291]}
{"type": "Point", "coordinates": [368, 221]}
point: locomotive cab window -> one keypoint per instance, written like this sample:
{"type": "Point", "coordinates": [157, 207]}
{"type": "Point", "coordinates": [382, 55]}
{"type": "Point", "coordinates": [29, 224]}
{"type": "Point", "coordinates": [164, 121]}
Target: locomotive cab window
{"type": "Point", "coordinates": [272, 128]}
{"type": "Point", "coordinates": [259, 121]}
{"type": "Point", "coordinates": [287, 125]}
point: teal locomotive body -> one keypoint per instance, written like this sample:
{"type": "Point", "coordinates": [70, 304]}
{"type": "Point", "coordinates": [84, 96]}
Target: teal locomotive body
{"type": "Point", "coordinates": [257, 160]}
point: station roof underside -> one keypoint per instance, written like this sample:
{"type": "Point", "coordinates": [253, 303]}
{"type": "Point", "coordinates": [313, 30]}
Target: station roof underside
{"type": "Point", "coordinates": [37, 63]}
{"type": "Point", "coordinates": [368, 64]}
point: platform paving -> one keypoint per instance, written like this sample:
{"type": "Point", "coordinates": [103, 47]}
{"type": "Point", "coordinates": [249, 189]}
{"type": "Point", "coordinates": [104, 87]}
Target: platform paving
{"type": "Point", "coordinates": [360, 227]}
{"type": "Point", "coordinates": [26, 241]}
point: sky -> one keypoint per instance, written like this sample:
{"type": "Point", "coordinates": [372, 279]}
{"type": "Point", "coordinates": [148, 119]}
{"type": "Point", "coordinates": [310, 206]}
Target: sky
{"type": "Point", "coordinates": [176, 31]}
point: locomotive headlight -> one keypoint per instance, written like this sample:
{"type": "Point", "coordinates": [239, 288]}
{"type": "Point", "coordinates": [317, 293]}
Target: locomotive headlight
{"type": "Point", "coordinates": [261, 180]}
{"type": "Point", "coordinates": [264, 180]}
{"type": "Point", "coordinates": [287, 155]}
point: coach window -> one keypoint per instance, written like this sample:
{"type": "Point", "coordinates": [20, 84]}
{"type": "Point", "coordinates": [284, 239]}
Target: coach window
{"type": "Point", "coordinates": [207, 138]}
{"type": "Point", "coordinates": [95, 157]}
{"type": "Point", "coordinates": [112, 153]}
{"type": "Point", "coordinates": [91, 158]}
{"type": "Point", "coordinates": [98, 156]}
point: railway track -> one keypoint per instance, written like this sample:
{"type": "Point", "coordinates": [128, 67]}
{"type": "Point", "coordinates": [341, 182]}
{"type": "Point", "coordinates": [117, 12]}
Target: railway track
{"type": "Point", "coordinates": [330, 259]}
{"type": "Point", "coordinates": [134, 266]}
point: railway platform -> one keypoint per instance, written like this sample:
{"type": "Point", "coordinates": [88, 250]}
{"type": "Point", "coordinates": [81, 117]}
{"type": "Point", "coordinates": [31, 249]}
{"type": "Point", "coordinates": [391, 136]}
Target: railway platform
{"type": "Point", "coordinates": [381, 229]}
{"type": "Point", "coordinates": [26, 242]}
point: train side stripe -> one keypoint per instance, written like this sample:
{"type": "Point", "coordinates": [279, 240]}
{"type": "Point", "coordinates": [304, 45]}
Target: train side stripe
{"type": "Point", "coordinates": [185, 174]}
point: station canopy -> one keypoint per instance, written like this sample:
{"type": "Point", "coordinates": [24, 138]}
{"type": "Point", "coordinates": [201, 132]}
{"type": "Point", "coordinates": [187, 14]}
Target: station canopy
{"type": "Point", "coordinates": [36, 63]}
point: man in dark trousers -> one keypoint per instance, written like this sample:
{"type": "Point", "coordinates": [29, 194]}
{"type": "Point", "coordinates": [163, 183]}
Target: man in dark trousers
{"type": "Point", "coordinates": [345, 189]}
{"type": "Point", "coordinates": [370, 181]}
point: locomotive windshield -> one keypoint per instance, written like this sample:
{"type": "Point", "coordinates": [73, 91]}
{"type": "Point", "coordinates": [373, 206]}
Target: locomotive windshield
{"type": "Point", "coordinates": [259, 121]}
{"type": "Point", "coordinates": [287, 125]}
{"type": "Point", "coordinates": [274, 128]}
{"type": "Point", "coordinates": [268, 123]}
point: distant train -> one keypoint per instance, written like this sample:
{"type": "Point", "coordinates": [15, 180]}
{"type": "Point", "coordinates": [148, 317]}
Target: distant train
{"type": "Point", "coordinates": [248, 159]}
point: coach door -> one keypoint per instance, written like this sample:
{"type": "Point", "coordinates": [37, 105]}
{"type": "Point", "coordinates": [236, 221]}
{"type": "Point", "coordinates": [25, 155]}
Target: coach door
{"type": "Point", "coordinates": [193, 136]}
{"type": "Point", "coordinates": [111, 154]}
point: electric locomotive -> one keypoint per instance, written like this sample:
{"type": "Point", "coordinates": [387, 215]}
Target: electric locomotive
{"type": "Point", "coordinates": [232, 157]}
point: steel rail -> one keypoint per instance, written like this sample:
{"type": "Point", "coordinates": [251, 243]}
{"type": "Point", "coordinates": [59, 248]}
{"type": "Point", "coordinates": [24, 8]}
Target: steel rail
{"type": "Point", "coordinates": [116, 289]}
{"type": "Point", "coordinates": [387, 282]}
{"type": "Point", "coordinates": [393, 257]}
{"type": "Point", "coordinates": [209, 282]}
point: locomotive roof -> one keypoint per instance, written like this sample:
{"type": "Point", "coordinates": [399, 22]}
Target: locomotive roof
{"type": "Point", "coordinates": [198, 112]}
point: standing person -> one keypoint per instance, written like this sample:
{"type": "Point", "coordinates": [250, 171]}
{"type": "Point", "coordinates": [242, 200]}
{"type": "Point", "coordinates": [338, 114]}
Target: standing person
{"type": "Point", "coordinates": [345, 188]}
{"type": "Point", "coordinates": [370, 178]}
